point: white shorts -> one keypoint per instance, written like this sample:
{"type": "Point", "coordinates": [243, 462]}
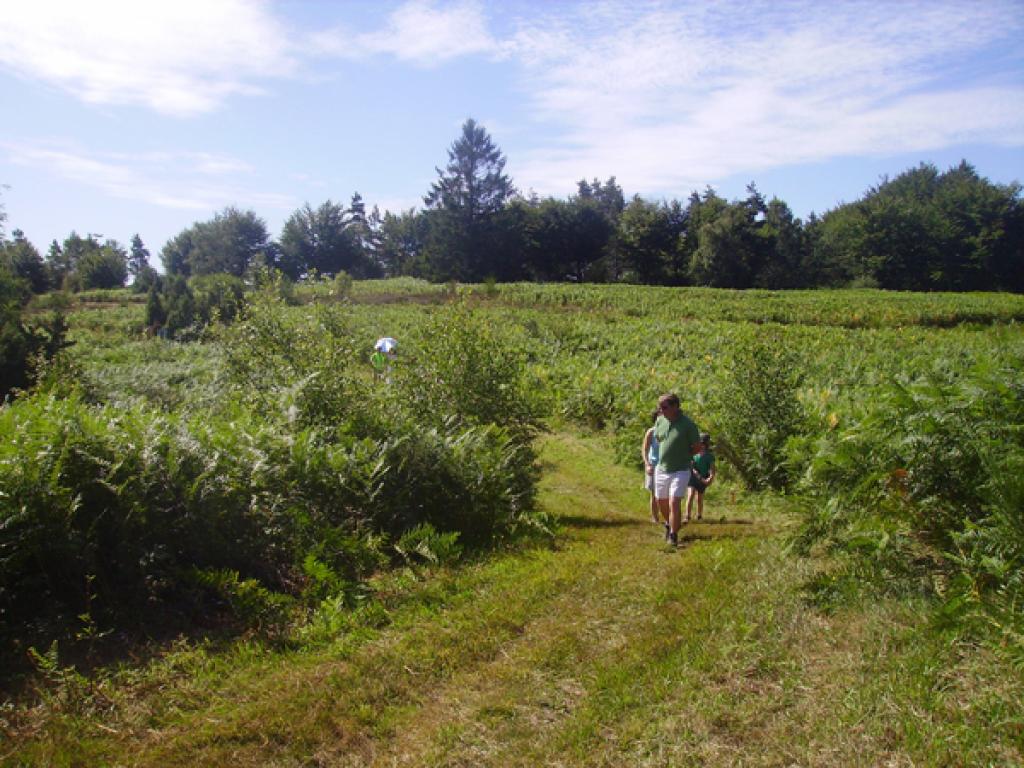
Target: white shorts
{"type": "Point", "coordinates": [670, 484]}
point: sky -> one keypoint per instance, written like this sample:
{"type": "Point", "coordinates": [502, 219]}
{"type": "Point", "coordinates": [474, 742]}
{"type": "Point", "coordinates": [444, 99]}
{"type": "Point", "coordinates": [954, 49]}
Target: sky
{"type": "Point", "coordinates": [122, 117]}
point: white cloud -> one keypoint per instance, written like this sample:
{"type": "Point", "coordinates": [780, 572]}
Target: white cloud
{"type": "Point", "coordinates": [178, 58]}
{"type": "Point", "coordinates": [178, 180]}
{"type": "Point", "coordinates": [668, 96]}
{"type": "Point", "coordinates": [420, 32]}
{"type": "Point", "coordinates": [219, 165]}
{"type": "Point", "coordinates": [672, 96]}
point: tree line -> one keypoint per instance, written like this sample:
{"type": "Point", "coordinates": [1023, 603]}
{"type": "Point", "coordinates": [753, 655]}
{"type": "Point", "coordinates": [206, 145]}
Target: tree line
{"type": "Point", "coordinates": [922, 230]}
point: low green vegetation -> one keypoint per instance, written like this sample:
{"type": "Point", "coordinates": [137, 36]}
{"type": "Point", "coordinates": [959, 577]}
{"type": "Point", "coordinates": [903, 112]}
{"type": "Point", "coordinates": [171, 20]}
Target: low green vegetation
{"type": "Point", "coordinates": [456, 550]}
{"type": "Point", "coordinates": [302, 477]}
{"type": "Point", "coordinates": [603, 650]}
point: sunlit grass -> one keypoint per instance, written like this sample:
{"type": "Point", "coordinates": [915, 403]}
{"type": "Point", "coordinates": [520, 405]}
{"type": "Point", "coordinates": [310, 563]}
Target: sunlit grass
{"type": "Point", "coordinates": [607, 649]}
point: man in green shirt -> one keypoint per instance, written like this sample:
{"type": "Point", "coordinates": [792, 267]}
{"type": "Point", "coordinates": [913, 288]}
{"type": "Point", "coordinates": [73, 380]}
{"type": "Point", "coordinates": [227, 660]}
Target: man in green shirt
{"type": "Point", "coordinates": [678, 440]}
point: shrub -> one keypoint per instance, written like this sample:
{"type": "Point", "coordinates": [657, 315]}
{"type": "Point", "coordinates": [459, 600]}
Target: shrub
{"type": "Point", "coordinates": [296, 485]}
{"type": "Point", "coordinates": [424, 543]}
{"type": "Point", "coordinates": [464, 369]}
{"type": "Point", "coordinates": [25, 345]}
{"type": "Point", "coordinates": [300, 366]}
{"type": "Point", "coordinates": [146, 279]}
{"type": "Point", "coordinates": [102, 268]}
{"type": "Point", "coordinates": [218, 297]}
{"type": "Point", "coordinates": [341, 286]}
{"type": "Point", "coordinates": [156, 315]}
{"type": "Point", "coordinates": [179, 307]}
{"type": "Point", "coordinates": [253, 604]}
{"type": "Point", "coordinates": [923, 491]}
{"type": "Point", "coordinates": [477, 481]}
{"type": "Point", "coordinates": [111, 511]}
{"type": "Point", "coordinates": [755, 409]}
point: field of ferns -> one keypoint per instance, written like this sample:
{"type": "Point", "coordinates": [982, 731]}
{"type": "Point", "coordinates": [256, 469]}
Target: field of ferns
{"type": "Point", "coordinates": [255, 477]}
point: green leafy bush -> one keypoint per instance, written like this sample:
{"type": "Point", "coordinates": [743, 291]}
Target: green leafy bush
{"type": "Point", "coordinates": [465, 369]}
{"type": "Point", "coordinates": [253, 604]}
{"type": "Point", "coordinates": [25, 343]}
{"type": "Point", "coordinates": [102, 268]}
{"type": "Point", "coordinates": [424, 543]}
{"type": "Point", "coordinates": [478, 481]}
{"type": "Point", "coordinates": [300, 365]}
{"type": "Point", "coordinates": [218, 297]}
{"type": "Point", "coordinates": [180, 308]}
{"type": "Point", "coordinates": [755, 409]}
{"type": "Point", "coordinates": [295, 485]}
{"type": "Point", "coordinates": [922, 491]}
{"type": "Point", "coordinates": [121, 501]}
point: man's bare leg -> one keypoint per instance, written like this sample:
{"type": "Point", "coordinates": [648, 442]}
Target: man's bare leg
{"type": "Point", "coordinates": [677, 513]}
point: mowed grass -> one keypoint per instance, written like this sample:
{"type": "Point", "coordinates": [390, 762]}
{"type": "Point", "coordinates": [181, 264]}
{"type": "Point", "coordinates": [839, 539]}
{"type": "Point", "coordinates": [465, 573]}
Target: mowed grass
{"type": "Point", "coordinates": [606, 649]}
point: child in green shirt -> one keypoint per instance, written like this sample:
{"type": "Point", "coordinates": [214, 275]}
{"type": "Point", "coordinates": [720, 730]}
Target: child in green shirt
{"type": "Point", "coordinates": [701, 476]}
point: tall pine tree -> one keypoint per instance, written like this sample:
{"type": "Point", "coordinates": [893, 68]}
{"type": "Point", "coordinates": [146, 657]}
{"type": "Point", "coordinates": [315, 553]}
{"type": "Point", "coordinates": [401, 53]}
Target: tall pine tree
{"type": "Point", "coordinates": [464, 207]}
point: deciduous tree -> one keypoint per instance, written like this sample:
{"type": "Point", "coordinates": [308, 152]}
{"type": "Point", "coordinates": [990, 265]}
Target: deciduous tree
{"type": "Point", "coordinates": [230, 242]}
{"type": "Point", "coordinates": [649, 240]}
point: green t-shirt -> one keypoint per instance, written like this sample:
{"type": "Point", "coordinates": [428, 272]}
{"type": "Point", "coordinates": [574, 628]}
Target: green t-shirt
{"type": "Point", "coordinates": [675, 442]}
{"type": "Point", "coordinates": [703, 462]}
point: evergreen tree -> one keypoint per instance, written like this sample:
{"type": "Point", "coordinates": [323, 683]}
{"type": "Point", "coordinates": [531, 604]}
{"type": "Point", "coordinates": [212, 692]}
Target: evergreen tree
{"type": "Point", "coordinates": [175, 253]}
{"type": "Point", "coordinates": [138, 258]}
{"type": "Point", "coordinates": [24, 261]}
{"type": "Point", "coordinates": [56, 268]}
{"type": "Point", "coordinates": [156, 316]}
{"type": "Point", "coordinates": [786, 259]}
{"type": "Point", "coordinates": [463, 205]}
{"type": "Point", "coordinates": [727, 252]}
{"type": "Point", "coordinates": [178, 304]}
{"type": "Point", "coordinates": [608, 196]}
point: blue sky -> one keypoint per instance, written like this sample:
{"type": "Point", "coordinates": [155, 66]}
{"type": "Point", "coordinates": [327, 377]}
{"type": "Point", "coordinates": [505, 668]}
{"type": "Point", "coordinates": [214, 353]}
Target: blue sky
{"type": "Point", "coordinates": [124, 117]}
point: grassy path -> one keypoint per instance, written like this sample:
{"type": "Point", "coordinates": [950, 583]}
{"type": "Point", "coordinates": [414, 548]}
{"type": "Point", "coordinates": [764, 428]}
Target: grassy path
{"type": "Point", "coordinates": [608, 650]}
